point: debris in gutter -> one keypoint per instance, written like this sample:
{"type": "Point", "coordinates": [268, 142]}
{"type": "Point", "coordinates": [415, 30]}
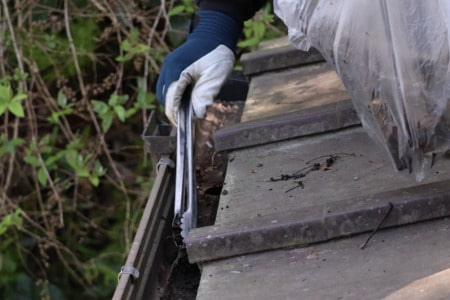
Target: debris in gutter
{"type": "Point", "coordinates": [317, 166]}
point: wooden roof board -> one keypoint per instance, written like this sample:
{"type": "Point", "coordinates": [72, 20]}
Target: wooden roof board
{"type": "Point", "coordinates": [361, 186]}
{"type": "Point", "coordinates": [319, 119]}
{"type": "Point", "coordinates": [352, 193]}
{"type": "Point", "coordinates": [361, 169]}
{"type": "Point", "coordinates": [277, 54]}
{"type": "Point", "coordinates": [289, 90]}
{"type": "Point", "coordinates": [393, 259]}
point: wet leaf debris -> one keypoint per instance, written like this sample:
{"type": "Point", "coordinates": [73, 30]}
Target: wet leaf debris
{"type": "Point", "coordinates": [320, 163]}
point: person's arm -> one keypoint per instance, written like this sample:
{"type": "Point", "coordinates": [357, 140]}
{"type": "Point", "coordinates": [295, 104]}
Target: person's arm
{"type": "Point", "coordinates": [240, 10]}
{"type": "Point", "coordinates": [206, 59]}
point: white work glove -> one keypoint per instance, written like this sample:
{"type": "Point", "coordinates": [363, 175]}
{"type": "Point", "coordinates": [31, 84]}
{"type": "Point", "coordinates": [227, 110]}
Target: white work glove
{"type": "Point", "coordinates": [204, 62]}
{"type": "Point", "coordinates": [207, 75]}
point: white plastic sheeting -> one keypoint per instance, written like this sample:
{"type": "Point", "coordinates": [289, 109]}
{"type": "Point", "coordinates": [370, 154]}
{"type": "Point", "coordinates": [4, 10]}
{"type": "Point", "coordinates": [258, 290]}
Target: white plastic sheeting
{"type": "Point", "coordinates": [393, 57]}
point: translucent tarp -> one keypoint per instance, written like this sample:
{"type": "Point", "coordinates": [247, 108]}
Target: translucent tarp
{"type": "Point", "coordinates": [393, 58]}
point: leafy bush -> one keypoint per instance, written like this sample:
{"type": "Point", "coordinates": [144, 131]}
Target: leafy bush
{"type": "Point", "coordinates": [263, 26]}
{"type": "Point", "coordinates": [75, 91]}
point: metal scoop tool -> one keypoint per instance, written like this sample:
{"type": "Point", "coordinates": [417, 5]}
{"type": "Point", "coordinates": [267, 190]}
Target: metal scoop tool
{"type": "Point", "coordinates": [185, 211]}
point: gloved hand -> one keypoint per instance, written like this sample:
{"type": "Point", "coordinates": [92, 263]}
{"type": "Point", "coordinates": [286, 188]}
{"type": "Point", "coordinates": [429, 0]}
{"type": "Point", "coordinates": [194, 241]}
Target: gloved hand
{"type": "Point", "coordinates": [204, 61]}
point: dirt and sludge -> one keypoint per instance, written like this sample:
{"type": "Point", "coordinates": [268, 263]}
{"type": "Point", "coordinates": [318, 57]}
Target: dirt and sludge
{"type": "Point", "coordinates": [211, 167]}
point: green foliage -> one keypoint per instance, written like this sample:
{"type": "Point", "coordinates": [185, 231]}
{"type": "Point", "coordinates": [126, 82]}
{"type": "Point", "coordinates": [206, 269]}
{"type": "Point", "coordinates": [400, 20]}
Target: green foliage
{"type": "Point", "coordinates": [259, 28]}
{"type": "Point", "coordinates": [145, 100]}
{"type": "Point", "coordinates": [185, 7]}
{"type": "Point", "coordinates": [13, 219]}
{"type": "Point", "coordinates": [65, 109]}
{"type": "Point", "coordinates": [10, 270]}
{"type": "Point", "coordinates": [17, 76]}
{"type": "Point", "coordinates": [50, 50]}
{"type": "Point", "coordinates": [10, 102]}
{"type": "Point", "coordinates": [83, 166]}
{"type": "Point", "coordinates": [66, 199]}
{"type": "Point", "coordinates": [47, 158]}
{"type": "Point", "coordinates": [132, 47]}
{"type": "Point", "coordinates": [9, 145]}
{"type": "Point", "coordinates": [114, 108]}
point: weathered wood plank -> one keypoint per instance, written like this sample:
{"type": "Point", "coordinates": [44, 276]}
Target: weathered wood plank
{"type": "Point", "coordinates": [328, 117]}
{"type": "Point", "coordinates": [277, 54]}
{"type": "Point", "coordinates": [346, 198]}
{"type": "Point", "coordinates": [272, 59]}
{"type": "Point", "coordinates": [430, 201]}
{"type": "Point", "coordinates": [339, 269]}
{"type": "Point", "coordinates": [290, 90]}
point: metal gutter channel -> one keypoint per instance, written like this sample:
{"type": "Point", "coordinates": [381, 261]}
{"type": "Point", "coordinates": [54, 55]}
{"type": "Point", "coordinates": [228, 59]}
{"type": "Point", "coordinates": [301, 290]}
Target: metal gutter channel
{"type": "Point", "coordinates": [144, 269]}
{"type": "Point", "coordinates": [146, 250]}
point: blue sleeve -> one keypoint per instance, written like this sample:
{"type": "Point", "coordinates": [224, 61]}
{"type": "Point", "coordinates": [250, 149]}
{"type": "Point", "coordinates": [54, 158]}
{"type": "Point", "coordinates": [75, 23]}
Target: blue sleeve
{"type": "Point", "coordinates": [240, 10]}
